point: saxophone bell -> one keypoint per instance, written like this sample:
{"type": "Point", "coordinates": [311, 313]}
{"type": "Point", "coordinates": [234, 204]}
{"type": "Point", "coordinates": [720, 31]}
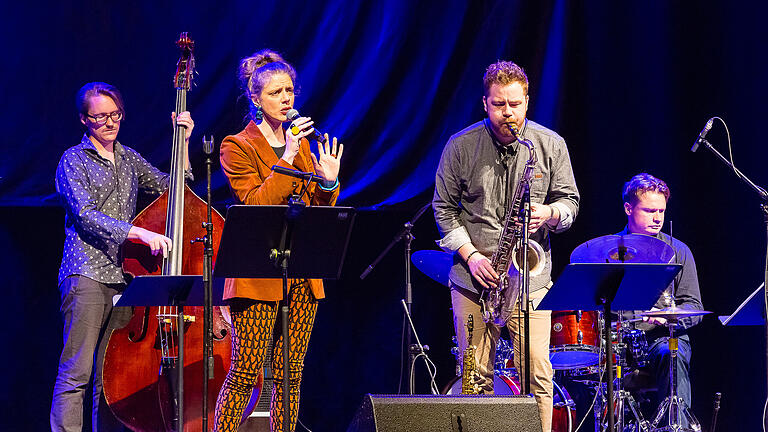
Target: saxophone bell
{"type": "Point", "coordinates": [537, 259]}
{"type": "Point", "coordinates": [497, 304]}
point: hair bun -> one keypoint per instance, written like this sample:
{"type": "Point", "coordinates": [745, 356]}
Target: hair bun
{"type": "Point", "coordinates": [258, 59]}
{"type": "Point", "coordinates": [265, 56]}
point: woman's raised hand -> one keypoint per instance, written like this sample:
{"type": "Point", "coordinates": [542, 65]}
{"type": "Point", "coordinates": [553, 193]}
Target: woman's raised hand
{"type": "Point", "coordinates": [327, 165]}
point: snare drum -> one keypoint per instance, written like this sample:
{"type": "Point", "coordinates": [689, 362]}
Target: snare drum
{"type": "Point", "coordinates": [574, 340]}
{"type": "Point", "coordinates": [507, 383]}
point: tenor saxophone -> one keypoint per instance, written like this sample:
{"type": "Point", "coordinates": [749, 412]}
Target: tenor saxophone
{"type": "Point", "coordinates": [497, 302]}
{"type": "Point", "coordinates": [469, 364]}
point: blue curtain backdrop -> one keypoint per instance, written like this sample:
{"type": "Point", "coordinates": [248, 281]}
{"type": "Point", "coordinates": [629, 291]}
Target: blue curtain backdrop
{"type": "Point", "coordinates": [393, 79]}
{"type": "Point", "coordinates": [628, 84]}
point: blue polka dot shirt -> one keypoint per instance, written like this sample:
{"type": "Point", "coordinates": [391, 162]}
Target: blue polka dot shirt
{"type": "Point", "coordinates": [100, 201]}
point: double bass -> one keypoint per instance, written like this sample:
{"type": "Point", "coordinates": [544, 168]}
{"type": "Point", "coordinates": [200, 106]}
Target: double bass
{"type": "Point", "coordinates": [141, 359]}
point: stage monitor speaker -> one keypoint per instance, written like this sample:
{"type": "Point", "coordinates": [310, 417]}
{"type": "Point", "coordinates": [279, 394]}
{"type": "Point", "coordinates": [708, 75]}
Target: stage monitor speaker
{"type": "Point", "coordinates": [460, 413]}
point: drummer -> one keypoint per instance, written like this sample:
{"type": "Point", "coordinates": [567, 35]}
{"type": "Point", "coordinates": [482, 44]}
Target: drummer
{"type": "Point", "coordinates": [645, 201]}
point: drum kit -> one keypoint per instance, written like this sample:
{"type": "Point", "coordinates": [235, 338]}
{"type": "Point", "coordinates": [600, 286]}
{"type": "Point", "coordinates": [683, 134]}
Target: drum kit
{"type": "Point", "coordinates": [577, 345]}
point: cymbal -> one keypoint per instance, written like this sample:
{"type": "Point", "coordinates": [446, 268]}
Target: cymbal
{"type": "Point", "coordinates": [628, 248]}
{"type": "Point", "coordinates": [435, 264]}
{"type": "Point", "coordinates": [674, 312]}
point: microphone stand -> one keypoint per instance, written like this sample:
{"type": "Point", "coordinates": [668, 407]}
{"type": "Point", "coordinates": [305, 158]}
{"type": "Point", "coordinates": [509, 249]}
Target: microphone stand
{"type": "Point", "coordinates": [764, 208]}
{"type": "Point", "coordinates": [420, 350]}
{"type": "Point", "coordinates": [404, 234]}
{"type": "Point", "coordinates": [280, 257]}
{"type": "Point", "coordinates": [713, 423]}
{"type": "Point", "coordinates": [207, 286]}
{"type": "Point", "coordinates": [525, 278]}
{"type": "Point", "coordinates": [525, 290]}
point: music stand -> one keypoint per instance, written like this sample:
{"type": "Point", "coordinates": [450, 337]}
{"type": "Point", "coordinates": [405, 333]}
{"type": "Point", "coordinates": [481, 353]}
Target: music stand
{"type": "Point", "coordinates": [156, 290]}
{"type": "Point", "coordinates": [179, 291]}
{"type": "Point", "coordinates": [623, 286]}
{"type": "Point", "coordinates": [286, 242]}
{"type": "Point", "coordinates": [749, 312]}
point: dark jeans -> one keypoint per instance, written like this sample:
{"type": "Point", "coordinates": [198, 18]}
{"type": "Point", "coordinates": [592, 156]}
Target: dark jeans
{"type": "Point", "coordinates": [89, 318]}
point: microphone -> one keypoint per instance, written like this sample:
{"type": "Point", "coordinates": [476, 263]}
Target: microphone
{"type": "Point", "coordinates": [702, 134]}
{"type": "Point", "coordinates": [315, 134]}
{"type": "Point", "coordinates": [295, 173]}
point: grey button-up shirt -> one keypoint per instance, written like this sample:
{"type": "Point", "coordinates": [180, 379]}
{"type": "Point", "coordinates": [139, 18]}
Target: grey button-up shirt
{"type": "Point", "coordinates": [476, 180]}
{"type": "Point", "coordinates": [100, 200]}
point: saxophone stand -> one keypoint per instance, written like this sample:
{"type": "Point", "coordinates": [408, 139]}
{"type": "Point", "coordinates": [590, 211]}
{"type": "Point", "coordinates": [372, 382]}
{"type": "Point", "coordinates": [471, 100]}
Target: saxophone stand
{"type": "Point", "coordinates": [414, 350]}
{"type": "Point", "coordinates": [291, 242]}
{"type": "Point", "coordinates": [623, 286]}
{"type": "Point", "coordinates": [674, 405]}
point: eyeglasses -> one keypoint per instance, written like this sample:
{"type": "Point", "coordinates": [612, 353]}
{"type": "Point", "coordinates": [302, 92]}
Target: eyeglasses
{"type": "Point", "coordinates": [102, 118]}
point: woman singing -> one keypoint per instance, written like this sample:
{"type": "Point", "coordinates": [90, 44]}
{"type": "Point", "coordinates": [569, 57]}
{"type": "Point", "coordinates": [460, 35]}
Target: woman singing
{"type": "Point", "coordinates": [247, 158]}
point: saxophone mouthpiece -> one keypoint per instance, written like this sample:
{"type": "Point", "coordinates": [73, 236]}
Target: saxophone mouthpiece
{"type": "Point", "coordinates": [513, 129]}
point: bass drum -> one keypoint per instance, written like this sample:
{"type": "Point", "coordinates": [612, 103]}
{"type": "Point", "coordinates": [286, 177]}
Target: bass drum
{"type": "Point", "coordinates": [504, 384]}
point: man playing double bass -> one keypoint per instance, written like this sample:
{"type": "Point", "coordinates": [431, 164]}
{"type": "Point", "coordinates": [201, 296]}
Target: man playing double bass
{"type": "Point", "coordinates": [98, 181]}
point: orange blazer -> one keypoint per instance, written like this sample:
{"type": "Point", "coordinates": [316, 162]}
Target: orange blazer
{"type": "Point", "coordinates": [247, 160]}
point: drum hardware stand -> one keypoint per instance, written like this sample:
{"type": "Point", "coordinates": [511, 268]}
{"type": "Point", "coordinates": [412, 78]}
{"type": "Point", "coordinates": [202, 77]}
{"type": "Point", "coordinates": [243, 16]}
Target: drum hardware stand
{"type": "Point", "coordinates": [414, 350]}
{"type": "Point", "coordinates": [622, 398]}
{"type": "Point", "coordinates": [764, 209]}
{"type": "Point", "coordinates": [673, 404]}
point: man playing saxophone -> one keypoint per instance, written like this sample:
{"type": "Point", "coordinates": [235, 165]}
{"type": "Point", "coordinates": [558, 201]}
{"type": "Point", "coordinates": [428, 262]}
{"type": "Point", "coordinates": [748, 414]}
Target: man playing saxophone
{"type": "Point", "coordinates": [476, 181]}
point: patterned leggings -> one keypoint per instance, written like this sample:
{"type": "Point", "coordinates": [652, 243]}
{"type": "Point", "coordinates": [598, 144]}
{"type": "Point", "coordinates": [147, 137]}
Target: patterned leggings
{"type": "Point", "coordinates": [253, 324]}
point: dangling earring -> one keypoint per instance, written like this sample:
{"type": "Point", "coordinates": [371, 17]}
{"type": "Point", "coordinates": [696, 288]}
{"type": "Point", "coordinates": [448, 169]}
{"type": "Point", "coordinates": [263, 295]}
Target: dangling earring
{"type": "Point", "coordinates": [259, 114]}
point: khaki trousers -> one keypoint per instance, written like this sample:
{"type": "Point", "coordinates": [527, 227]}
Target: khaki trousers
{"type": "Point", "coordinates": [485, 338]}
